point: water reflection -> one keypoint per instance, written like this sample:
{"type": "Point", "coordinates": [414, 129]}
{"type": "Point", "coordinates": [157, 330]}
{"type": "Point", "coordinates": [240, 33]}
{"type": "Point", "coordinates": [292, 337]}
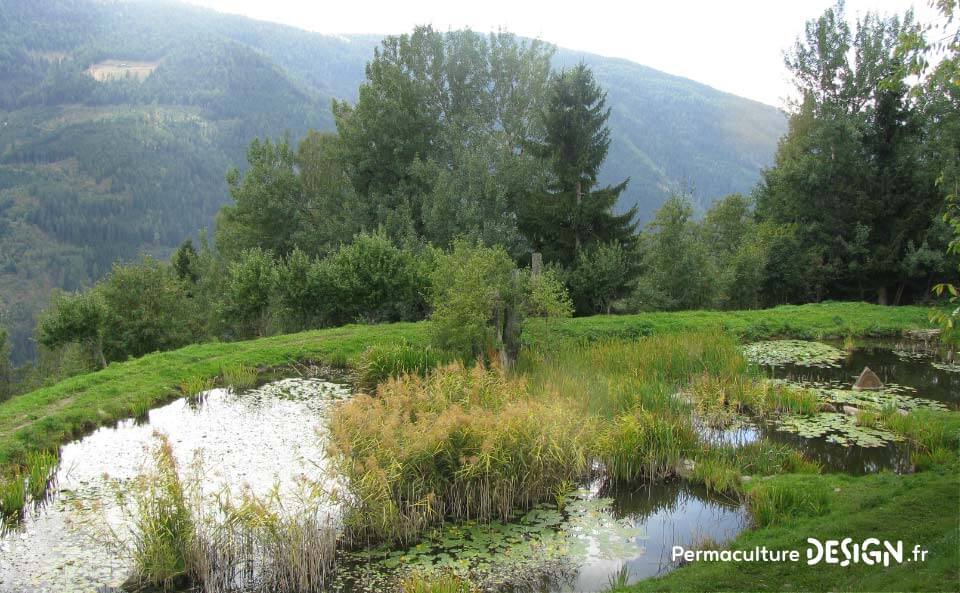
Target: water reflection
{"type": "Point", "coordinates": [256, 439]}
{"type": "Point", "coordinates": [670, 514]}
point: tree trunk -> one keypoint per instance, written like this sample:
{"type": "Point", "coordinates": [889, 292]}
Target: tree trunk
{"type": "Point", "coordinates": [576, 227]}
{"type": "Point", "coordinates": [882, 295]}
{"type": "Point", "coordinates": [896, 299]}
{"type": "Point", "coordinates": [536, 263]}
{"type": "Point", "coordinates": [98, 352]}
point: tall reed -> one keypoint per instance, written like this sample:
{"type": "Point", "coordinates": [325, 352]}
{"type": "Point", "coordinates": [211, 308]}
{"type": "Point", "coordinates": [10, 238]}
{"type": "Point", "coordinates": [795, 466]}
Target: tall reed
{"type": "Point", "coordinates": [13, 495]}
{"type": "Point", "coordinates": [181, 538]}
{"type": "Point", "coordinates": [462, 443]}
{"type": "Point", "coordinates": [40, 470]}
{"type": "Point", "coordinates": [238, 375]}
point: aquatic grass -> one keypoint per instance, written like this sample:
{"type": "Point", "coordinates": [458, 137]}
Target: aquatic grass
{"type": "Point", "coordinates": [179, 539]}
{"type": "Point", "coordinates": [237, 376]}
{"type": "Point", "coordinates": [13, 495]}
{"type": "Point", "coordinates": [643, 445]}
{"type": "Point", "coordinates": [460, 444]}
{"type": "Point", "coordinates": [194, 386]}
{"type": "Point", "coordinates": [717, 398]}
{"type": "Point", "coordinates": [770, 503]}
{"type": "Point", "coordinates": [609, 378]}
{"type": "Point", "coordinates": [40, 469]}
{"type": "Point", "coordinates": [717, 475]}
{"type": "Point", "coordinates": [619, 579]}
{"type": "Point", "coordinates": [419, 582]}
{"type": "Point", "coordinates": [924, 428]}
{"type": "Point", "coordinates": [260, 546]}
{"type": "Point", "coordinates": [723, 468]}
{"type": "Point", "coordinates": [383, 361]}
{"type": "Point", "coordinates": [164, 527]}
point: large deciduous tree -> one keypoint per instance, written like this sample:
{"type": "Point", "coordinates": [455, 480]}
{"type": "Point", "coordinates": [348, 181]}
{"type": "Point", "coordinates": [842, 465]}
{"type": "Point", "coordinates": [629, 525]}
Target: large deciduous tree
{"type": "Point", "coordinates": [851, 174]}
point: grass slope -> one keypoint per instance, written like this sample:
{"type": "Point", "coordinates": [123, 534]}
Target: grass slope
{"type": "Point", "coordinates": [917, 509]}
{"type": "Point", "coordinates": [43, 419]}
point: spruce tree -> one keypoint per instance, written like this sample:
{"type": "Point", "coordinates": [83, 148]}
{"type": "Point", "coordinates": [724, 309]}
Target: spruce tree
{"type": "Point", "coordinates": [571, 215]}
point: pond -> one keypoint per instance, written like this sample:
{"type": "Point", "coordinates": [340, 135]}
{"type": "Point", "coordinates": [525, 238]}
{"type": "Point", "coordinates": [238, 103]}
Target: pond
{"type": "Point", "coordinates": [273, 438]}
{"type": "Point", "coordinates": [912, 377]}
{"type": "Point", "coordinates": [267, 438]}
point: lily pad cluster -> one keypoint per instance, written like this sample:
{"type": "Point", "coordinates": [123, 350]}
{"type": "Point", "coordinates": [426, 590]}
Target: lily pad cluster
{"type": "Point", "coordinates": [798, 352]}
{"type": "Point", "coordinates": [947, 367]}
{"type": "Point", "coordinates": [837, 428]}
{"type": "Point", "coordinates": [545, 545]}
{"type": "Point", "coordinates": [891, 395]}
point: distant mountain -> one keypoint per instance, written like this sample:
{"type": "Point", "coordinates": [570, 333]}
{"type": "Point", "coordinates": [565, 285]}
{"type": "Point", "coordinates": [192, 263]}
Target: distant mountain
{"type": "Point", "coordinates": [118, 121]}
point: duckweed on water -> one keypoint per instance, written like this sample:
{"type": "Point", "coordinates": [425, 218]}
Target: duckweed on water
{"type": "Point", "coordinates": [799, 352]}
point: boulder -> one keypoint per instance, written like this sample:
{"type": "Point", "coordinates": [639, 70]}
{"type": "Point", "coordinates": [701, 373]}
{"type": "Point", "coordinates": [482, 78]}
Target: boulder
{"type": "Point", "coordinates": [850, 410]}
{"type": "Point", "coordinates": [827, 407]}
{"type": "Point", "coordinates": [868, 381]}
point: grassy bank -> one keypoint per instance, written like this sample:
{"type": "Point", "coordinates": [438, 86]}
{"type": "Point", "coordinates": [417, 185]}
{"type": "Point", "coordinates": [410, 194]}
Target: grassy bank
{"type": "Point", "coordinates": [44, 419]}
{"type": "Point", "coordinates": [917, 509]}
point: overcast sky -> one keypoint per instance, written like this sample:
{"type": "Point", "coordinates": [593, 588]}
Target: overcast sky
{"type": "Point", "coordinates": [733, 45]}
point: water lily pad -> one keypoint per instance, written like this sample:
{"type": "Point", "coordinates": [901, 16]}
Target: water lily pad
{"type": "Point", "coordinates": [836, 428]}
{"type": "Point", "coordinates": [947, 367]}
{"type": "Point", "coordinates": [798, 352]}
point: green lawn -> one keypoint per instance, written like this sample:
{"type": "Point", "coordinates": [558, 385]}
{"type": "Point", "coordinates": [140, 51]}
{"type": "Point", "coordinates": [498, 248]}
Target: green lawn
{"type": "Point", "coordinates": [922, 509]}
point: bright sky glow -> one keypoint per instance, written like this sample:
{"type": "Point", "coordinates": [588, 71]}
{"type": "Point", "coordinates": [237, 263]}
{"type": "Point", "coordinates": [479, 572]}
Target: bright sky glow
{"type": "Point", "coordinates": [735, 46]}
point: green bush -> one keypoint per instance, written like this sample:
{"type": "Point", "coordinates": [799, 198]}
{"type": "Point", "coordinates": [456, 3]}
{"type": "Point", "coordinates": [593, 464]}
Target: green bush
{"type": "Point", "coordinates": [245, 306]}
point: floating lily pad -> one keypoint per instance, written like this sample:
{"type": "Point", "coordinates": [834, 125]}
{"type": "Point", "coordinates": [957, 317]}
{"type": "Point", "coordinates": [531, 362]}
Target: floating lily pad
{"type": "Point", "coordinates": [836, 428]}
{"type": "Point", "coordinates": [947, 367]}
{"type": "Point", "coordinates": [891, 395]}
{"type": "Point", "coordinates": [798, 352]}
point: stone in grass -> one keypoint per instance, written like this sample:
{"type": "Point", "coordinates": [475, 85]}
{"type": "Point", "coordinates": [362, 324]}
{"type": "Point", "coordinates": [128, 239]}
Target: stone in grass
{"type": "Point", "coordinates": [868, 381]}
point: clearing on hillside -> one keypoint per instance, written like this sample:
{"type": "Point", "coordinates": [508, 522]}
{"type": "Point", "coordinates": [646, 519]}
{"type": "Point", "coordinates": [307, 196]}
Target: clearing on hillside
{"type": "Point", "coordinates": [117, 69]}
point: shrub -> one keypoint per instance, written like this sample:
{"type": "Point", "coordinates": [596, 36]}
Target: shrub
{"type": "Point", "coordinates": [472, 287]}
{"type": "Point", "coordinates": [245, 306]}
{"type": "Point", "coordinates": [375, 281]}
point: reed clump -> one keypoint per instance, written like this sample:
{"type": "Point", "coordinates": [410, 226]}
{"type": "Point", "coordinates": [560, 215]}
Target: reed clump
{"type": "Point", "coordinates": [238, 376]}
{"type": "Point", "coordinates": [196, 385]}
{"type": "Point", "coordinates": [642, 444]}
{"type": "Point", "coordinates": [460, 444]}
{"type": "Point", "coordinates": [182, 539]}
{"type": "Point", "coordinates": [260, 546]}
{"type": "Point", "coordinates": [716, 397]}
{"type": "Point", "coordinates": [163, 542]}
{"type": "Point", "coordinates": [775, 502]}
{"type": "Point", "coordinates": [390, 360]}
{"type": "Point", "coordinates": [40, 470]}
{"type": "Point", "coordinates": [13, 495]}
{"type": "Point", "coordinates": [611, 378]}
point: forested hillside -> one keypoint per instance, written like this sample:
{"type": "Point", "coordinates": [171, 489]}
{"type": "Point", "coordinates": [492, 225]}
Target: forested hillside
{"type": "Point", "coordinates": [118, 122]}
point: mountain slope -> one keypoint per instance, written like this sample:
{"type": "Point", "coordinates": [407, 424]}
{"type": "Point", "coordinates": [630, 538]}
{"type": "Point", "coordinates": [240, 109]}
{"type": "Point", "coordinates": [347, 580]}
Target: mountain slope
{"type": "Point", "coordinates": [118, 121]}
